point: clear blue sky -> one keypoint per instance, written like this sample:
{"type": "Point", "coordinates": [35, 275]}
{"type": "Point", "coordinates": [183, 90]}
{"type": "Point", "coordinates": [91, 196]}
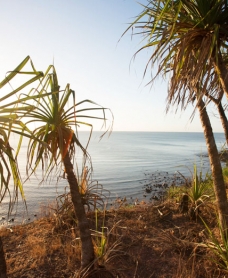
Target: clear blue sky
{"type": "Point", "coordinates": [82, 39]}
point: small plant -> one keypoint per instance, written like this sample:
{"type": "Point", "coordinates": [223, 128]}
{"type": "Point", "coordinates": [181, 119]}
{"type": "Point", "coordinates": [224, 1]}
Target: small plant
{"type": "Point", "coordinates": [92, 192]}
{"type": "Point", "coordinates": [93, 195]}
{"type": "Point", "coordinates": [105, 250]}
{"type": "Point", "coordinates": [100, 240]}
{"type": "Point", "coordinates": [100, 235]}
{"type": "Point", "coordinates": [200, 193]}
{"type": "Point", "coordinates": [219, 246]}
{"type": "Point", "coordinates": [194, 194]}
{"type": "Point", "coordinates": [64, 211]}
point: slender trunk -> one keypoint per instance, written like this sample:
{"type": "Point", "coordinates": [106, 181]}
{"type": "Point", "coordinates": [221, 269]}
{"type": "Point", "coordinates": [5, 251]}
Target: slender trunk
{"type": "Point", "coordinates": [3, 272]}
{"type": "Point", "coordinates": [216, 168]}
{"type": "Point", "coordinates": [87, 251]}
{"type": "Point", "coordinates": [222, 73]}
{"type": "Point", "coordinates": [223, 120]}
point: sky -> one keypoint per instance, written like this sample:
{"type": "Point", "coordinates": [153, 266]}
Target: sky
{"type": "Point", "coordinates": [83, 40]}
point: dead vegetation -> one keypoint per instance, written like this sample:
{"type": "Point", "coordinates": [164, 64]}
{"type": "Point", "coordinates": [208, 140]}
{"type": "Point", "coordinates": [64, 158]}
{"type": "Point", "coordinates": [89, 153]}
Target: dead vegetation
{"type": "Point", "coordinates": [138, 241]}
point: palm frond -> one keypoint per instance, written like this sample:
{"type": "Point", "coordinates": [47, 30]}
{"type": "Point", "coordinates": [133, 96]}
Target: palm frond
{"type": "Point", "coordinates": [58, 123]}
{"type": "Point", "coordinates": [186, 39]}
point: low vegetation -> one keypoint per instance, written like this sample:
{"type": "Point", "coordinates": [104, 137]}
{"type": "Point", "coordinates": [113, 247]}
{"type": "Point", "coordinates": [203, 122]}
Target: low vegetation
{"type": "Point", "coordinates": [141, 240]}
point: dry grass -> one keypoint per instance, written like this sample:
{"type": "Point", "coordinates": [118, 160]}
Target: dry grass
{"type": "Point", "coordinates": [144, 241]}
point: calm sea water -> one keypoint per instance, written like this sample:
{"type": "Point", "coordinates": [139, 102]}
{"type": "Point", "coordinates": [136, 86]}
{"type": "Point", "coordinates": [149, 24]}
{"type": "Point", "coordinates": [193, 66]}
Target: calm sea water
{"type": "Point", "coordinates": [122, 163]}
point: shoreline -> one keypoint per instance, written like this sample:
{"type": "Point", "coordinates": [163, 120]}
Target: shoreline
{"type": "Point", "coordinates": [152, 189]}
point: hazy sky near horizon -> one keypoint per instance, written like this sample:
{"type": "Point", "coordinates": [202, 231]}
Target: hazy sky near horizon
{"type": "Point", "coordinates": [82, 38]}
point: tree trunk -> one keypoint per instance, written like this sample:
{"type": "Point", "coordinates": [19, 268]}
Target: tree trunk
{"type": "Point", "coordinates": [87, 251]}
{"type": "Point", "coordinates": [216, 168]}
{"type": "Point", "coordinates": [222, 73]}
{"type": "Point", "coordinates": [3, 272]}
{"type": "Point", "coordinates": [223, 120]}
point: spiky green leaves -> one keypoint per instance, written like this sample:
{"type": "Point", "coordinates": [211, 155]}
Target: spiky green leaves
{"type": "Point", "coordinates": [57, 115]}
{"type": "Point", "coordinates": [11, 113]}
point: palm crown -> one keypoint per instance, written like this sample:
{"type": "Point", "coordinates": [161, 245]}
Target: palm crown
{"type": "Point", "coordinates": [56, 134]}
{"type": "Point", "coordinates": [188, 38]}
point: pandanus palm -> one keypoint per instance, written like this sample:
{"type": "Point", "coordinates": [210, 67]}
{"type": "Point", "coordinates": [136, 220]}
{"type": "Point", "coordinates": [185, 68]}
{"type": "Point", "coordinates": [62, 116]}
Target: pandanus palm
{"type": "Point", "coordinates": [10, 114]}
{"type": "Point", "coordinates": [57, 116]}
{"type": "Point", "coordinates": [188, 39]}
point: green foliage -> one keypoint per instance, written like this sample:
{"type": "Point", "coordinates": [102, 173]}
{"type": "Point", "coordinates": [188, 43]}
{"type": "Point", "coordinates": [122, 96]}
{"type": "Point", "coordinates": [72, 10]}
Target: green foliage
{"type": "Point", "coordinates": [201, 190]}
{"type": "Point", "coordinates": [199, 193]}
{"type": "Point", "coordinates": [219, 246]}
{"type": "Point", "coordinates": [11, 112]}
{"type": "Point", "coordinates": [57, 116]}
{"type": "Point", "coordinates": [100, 240]}
{"type": "Point", "coordinates": [105, 251]}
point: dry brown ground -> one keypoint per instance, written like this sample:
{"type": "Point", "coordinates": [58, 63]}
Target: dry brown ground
{"type": "Point", "coordinates": [143, 241]}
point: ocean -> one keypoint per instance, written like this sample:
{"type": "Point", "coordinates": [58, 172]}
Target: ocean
{"type": "Point", "coordinates": [124, 164]}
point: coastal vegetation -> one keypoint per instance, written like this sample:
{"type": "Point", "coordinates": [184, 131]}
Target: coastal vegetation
{"type": "Point", "coordinates": [144, 239]}
{"type": "Point", "coordinates": [52, 144]}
